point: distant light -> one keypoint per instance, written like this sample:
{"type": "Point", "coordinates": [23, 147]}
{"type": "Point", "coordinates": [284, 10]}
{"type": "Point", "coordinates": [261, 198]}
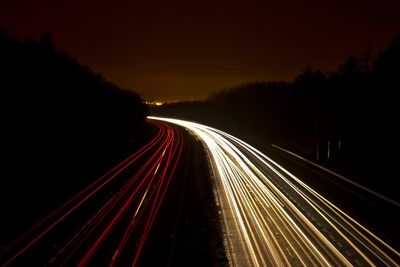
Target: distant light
{"type": "Point", "coordinates": [159, 103]}
{"type": "Point", "coordinates": [154, 103]}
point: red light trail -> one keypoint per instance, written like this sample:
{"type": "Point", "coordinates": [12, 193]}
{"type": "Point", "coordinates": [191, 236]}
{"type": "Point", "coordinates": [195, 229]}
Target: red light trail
{"type": "Point", "coordinates": [117, 210]}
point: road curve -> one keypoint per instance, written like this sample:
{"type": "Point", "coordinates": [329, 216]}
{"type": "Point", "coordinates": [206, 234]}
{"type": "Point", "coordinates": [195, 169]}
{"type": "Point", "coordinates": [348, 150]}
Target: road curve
{"type": "Point", "coordinates": [272, 218]}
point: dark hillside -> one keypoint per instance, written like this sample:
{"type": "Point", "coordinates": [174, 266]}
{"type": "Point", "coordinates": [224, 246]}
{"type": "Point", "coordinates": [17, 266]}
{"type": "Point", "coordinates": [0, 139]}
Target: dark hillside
{"type": "Point", "coordinates": [61, 126]}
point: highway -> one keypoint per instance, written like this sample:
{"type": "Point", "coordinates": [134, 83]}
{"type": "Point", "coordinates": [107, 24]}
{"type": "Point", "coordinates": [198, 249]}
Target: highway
{"type": "Point", "coordinates": [108, 223]}
{"type": "Point", "coordinates": [140, 208]}
{"type": "Point", "coordinates": [272, 218]}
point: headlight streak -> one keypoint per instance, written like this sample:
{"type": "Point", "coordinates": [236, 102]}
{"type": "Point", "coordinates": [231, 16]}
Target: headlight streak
{"type": "Point", "coordinates": [313, 204]}
{"type": "Point", "coordinates": [342, 215]}
{"type": "Point", "coordinates": [318, 234]}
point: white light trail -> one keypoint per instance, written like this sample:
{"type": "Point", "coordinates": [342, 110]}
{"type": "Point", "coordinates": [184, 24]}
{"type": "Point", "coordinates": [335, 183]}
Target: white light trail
{"type": "Point", "coordinates": [279, 220]}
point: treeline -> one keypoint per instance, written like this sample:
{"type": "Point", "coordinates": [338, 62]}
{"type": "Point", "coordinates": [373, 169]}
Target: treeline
{"type": "Point", "coordinates": [61, 123]}
{"type": "Point", "coordinates": [347, 118]}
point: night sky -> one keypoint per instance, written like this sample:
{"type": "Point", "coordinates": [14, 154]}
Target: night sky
{"type": "Point", "coordinates": [184, 50]}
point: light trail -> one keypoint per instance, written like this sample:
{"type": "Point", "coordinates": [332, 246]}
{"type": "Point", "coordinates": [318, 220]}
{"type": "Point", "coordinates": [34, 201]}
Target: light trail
{"type": "Point", "coordinates": [376, 194]}
{"type": "Point", "coordinates": [272, 218]}
{"type": "Point", "coordinates": [114, 214]}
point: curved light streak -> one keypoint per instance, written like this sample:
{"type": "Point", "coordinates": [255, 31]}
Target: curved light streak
{"type": "Point", "coordinates": [278, 219]}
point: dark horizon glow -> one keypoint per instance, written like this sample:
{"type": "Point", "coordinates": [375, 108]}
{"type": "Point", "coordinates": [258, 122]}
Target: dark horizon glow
{"type": "Point", "coordinates": [184, 50]}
